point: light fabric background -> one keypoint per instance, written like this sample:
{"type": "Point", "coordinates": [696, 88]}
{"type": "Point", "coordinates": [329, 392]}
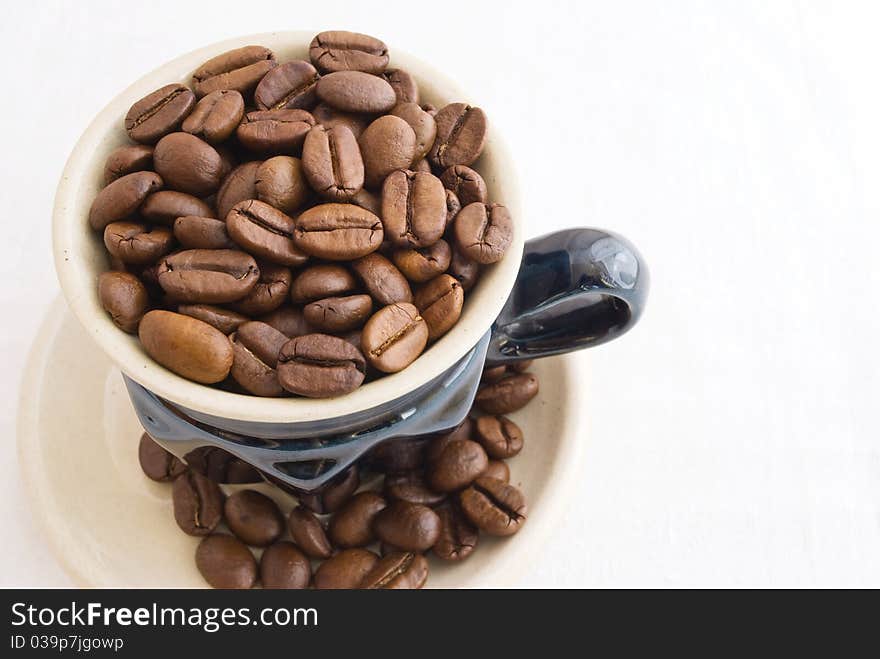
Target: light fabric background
{"type": "Point", "coordinates": [734, 437]}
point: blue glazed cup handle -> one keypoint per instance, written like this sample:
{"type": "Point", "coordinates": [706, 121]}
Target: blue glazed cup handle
{"type": "Point", "coordinates": [575, 289]}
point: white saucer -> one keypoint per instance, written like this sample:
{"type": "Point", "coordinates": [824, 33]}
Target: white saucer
{"type": "Point", "coordinates": [110, 526]}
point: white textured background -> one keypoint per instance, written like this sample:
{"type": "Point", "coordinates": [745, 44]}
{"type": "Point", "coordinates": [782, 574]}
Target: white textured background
{"type": "Point", "coordinates": [735, 437]}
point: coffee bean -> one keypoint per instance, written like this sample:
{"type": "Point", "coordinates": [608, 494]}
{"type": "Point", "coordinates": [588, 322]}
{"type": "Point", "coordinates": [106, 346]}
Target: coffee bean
{"type": "Point", "coordinates": [458, 537]}
{"type": "Point", "coordinates": [229, 158]}
{"type": "Point", "coordinates": [196, 232]}
{"type": "Point", "coordinates": [508, 394]}
{"type": "Point", "coordinates": [288, 321]}
{"type": "Point", "coordinates": [412, 488]}
{"type": "Point", "coordinates": [274, 131]}
{"type": "Point", "coordinates": [255, 348]}
{"type": "Point", "coordinates": [459, 463]}
{"type": "Point", "coordinates": [124, 297]}
{"type": "Point", "coordinates": [466, 183]}
{"type": "Point", "coordinates": [387, 144]}
{"type": "Point", "coordinates": [225, 320]}
{"type": "Point", "coordinates": [494, 507]}
{"type": "Point", "coordinates": [461, 135]}
{"type": "Point", "coordinates": [465, 430]}
{"type": "Point", "coordinates": [283, 566]}
{"type": "Point", "coordinates": [265, 232]}
{"type": "Point", "coordinates": [330, 117]}
{"type": "Point", "coordinates": [308, 533]}
{"type": "Point", "coordinates": [333, 495]}
{"type": "Point", "coordinates": [413, 208]}
{"type": "Point", "coordinates": [121, 198]}
{"type": "Point", "coordinates": [423, 125]}
{"type": "Point", "coordinates": [338, 232]}
{"type": "Point", "coordinates": [137, 244]}
{"type": "Point", "coordinates": [430, 109]}
{"type": "Point", "coordinates": [321, 281]}
{"type": "Point", "coordinates": [253, 517]}
{"type": "Point", "coordinates": [240, 69]}
{"type": "Point", "coordinates": [188, 164]}
{"type": "Point", "coordinates": [355, 91]}
{"type": "Point", "coordinates": [338, 314]}
{"type": "Point", "coordinates": [216, 116]}
{"type": "Point", "coordinates": [339, 50]}
{"type": "Point", "coordinates": [126, 160]}
{"type": "Point", "coordinates": [289, 86]}
{"type": "Point", "coordinates": [404, 85]}
{"type": "Point", "coordinates": [394, 337]}
{"type": "Point", "coordinates": [498, 469]}
{"type": "Point", "coordinates": [165, 206]}
{"type": "Point", "coordinates": [352, 525]}
{"type": "Point", "coordinates": [408, 526]}
{"type": "Point", "coordinates": [492, 374]}
{"type": "Point", "coordinates": [521, 366]}
{"type": "Point", "coordinates": [398, 455]}
{"type": "Point", "coordinates": [188, 346]}
{"type": "Point", "coordinates": [345, 570]}
{"type": "Point", "coordinates": [499, 436]}
{"type": "Point", "coordinates": [453, 205]}
{"type": "Point", "coordinates": [159, 113]}
{"type": "Point", "coordinates": [440, 302]}
{"type": "Point", "coordinates": [397, 570]}
{"type": "Point", "coordinates": [269, 293]}
{"type": "Point", "coordinates": [225, 562]}
{"type": "Point", "coordinates": [281, 182]}
{"type": "Point", "coordinates": [238, 186]}
{"type": "Point", "coordinates": [483, 232]}
{"type": "Point", "coordinates": [464, 269]}
{"type": "Point", "coordinates": [332, 162]}
{"type": "Point", "coordinates": [209, 276]}
{"type": "Point", "coordinates": [157, 463]}
{"type": "Point", "coordinates": [221, 466]}
{"type": "Point", "coordinates": [198, 503]}
{"type": "Point", "coordinates": [320, 366]}
{"type": "Point", "coordinates": [385, 283]}
{"type": "Point", "coordinates": [368, 200]}
{"type": "Point", "coordinates": [422, 166]}
{"type": "Point", "coordinates": [421, 265]}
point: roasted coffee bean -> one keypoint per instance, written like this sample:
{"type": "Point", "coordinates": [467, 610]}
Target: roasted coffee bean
{"type": "Point", "coordinates": [483, 232]}
{"type": "Point", "coordinates": [508, 394]}
{"type": "Point", "coordinates": [188, 164]}
{"type": "Point", "coordinates": [404, 85]}
{"type": "Point", "coordinates": [413, 208]}
{"type": "Point", "coordinates": [464, 269]}
{"type": "Point", "coordinates": [453, 205]}
{"type": "Point", "coordinates": [499, 436]}
{"type": "Point", "coordinates": [159, 113]}
{"type": "Point", "coordinates": [430, 109]}
{"type": "Point", "coordinates": [345, 570]}
{"type": "Point", "coordinates": [330, 117]}
{"type": "Point", "coordinates": [287, 320]}
{"type": "Point", "coordinates": [253, 517]}
{"type": "Point", "coordinates": [283, 566]}
{"type": "Point", "coordinates": [225, 320]}
{"type": "Point", "coordinates": [408, 526]}
{"type": "Point", "coordinates": [355, 91]}
{"type": "Point", "coordinates": [137, 244]}
{"type": "Point", "coordinates": [368, 200]}
{"type": "Point", "coordinates": [333, 495]}
{"type": "Point", "coordinates": [422, 166]}
{"type": "Point", "coordinates": [494, 507]}
{"type": "Point", "coordinates": [352, 525]}
{"type": "Point", "coordinates": [308, 533]}
{"type": "Point", "coordinates": [423, 125]}
{"type": "Point", "coordinates": [493, 374]}
{"type": "Point", "coordinates": [229, 159]}
{"type": "Point", "coordinates": [124, 297]}
{"type": "Point", "coordinates": [188, 346]}
{"type": "Point", "coordinates": [394, 337]}
{"type": "Point", "coordinates": [338, 314]}
{"type": "Point", "coordinates": [281, 182]}
{"type": "Point", "coordinates": [465, 430]}
{"type": "Point", "coordinates": [440, 302]}
{"type": "Point", "coordinates": [458, 537]}
{"type": "Point", "coordinates": [255, 349]}
{"type": "Point", "coordinates": [321, 281]}
{"type": "Point", "coordinates": [265, 232]}
{"type": "Point", "coordinates": [458, 464]}
{"type": "Point", "coordinates": [270, 292]}
{"type": "Point", "coordinates": [157, 463]}
{"type": "Point", "coordinates": [240, 69]}
{"type": "Point", "coordinates": [461, 135]}
{"type": "Point", "coordinates": [385, 283]}
{"type": "Point", "coordinates": [225, 562]}
{"type": "Point", "coordinates": [387, 144]}
{"type": "Point", "coordinates": [421, 265]}
{"type": "Point", "coordinates": [197, 232]}
{"type": "Point", "coordinates": [498, 469]}
{"type": "Point", "coordinates": [338, 232]}
{"type": "Point", "coordinates": [165, 206]}
{"type": "Point", "coordinates": [126, 160]}
{"type": "Point", "coordinates": [289, 86]}
{"type": "Point", "coordinates": [521, 366]}
{"type": "Point", "coordinates": [332, 162]}
{"type": "Point", "coordinates": [238, 186]}
{"type": "Point", "coordinates": [412, 488]}
{"type": "Point", "coordinates": [399, 455]}
{"type": "Point", "coordinates": [466, 183]}
{"type": "Point", "coordinates": [208, 276]}
{"type": "Point", "coordinates": [198, 503]}
{"type": "Point", "coordinates": [121, 198]}
{"type": "Point", "coordinates": [216, 116]}
{"type": "Point", "coordinates": [339, 50]}
{"type": "Point", "coordinates": [397, 570]}
{"type": "Point", "coordinates": [274, 131]}
{"type": "Point", "coordinates": [320, 366]}
{"type": "Point", "coordinates": [221, 466]}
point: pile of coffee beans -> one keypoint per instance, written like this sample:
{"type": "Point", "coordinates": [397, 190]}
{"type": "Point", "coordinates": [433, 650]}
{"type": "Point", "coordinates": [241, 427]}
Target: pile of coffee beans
{"type": "Point", "coordinates": [435, 495]}
{"type": "Point", "coordinates": [295, 227]}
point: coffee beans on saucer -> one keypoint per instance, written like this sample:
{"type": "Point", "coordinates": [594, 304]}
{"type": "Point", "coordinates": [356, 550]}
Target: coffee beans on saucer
{"type": "Point", "coordinates": [317, 197]}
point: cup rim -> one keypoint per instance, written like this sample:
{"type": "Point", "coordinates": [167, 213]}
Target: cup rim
{"type": "Point", "coordinates": [72, 235]}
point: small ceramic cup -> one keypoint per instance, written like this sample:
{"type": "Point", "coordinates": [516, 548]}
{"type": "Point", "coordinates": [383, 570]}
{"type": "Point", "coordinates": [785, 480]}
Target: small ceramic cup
{"type": "Point", "coordinates": [565, 291]}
